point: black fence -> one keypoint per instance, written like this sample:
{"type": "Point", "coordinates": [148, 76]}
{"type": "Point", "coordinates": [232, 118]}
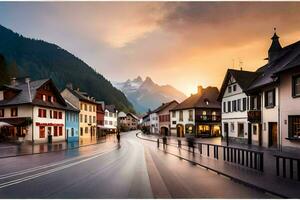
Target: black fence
{"type": "Point", "coordinates": [245, 157]}
{"type": "Point", "coordinates": [288, 167]}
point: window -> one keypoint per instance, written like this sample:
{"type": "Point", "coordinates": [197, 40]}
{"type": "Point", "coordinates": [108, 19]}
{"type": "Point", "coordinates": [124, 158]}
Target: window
{"type": "Point", "coordinates": [110, 122]}
{"type": "Point", "coordinates": [44, 97]}
{"type": "Point", "coordinates": [270, 98]}
{"type": "Point", "coordinates": [224, 107]}
{"type": "Point", "coordinates": [14, 112]}
{"type": "Point", "coordinates": [85, 107]}
{"type": "Point", "coordinates": [173, 122]}
{"type": "Point", "coordinates": [173, 114]}
{"type": "Point", "coordinates": [50, 113]}
{"type": "Point", "coordinates": [90, 119]}
{"type": "Point", "coordinates": [49, 99]}
{"type": "Point", "coordinates": [229, 106]}
{"type": "Point", "coordinates": [80, 117]}
{"type": "Point", "coordinates": [105, 122]}
{"type": "Point", "coordinates": [254, 130]}
{"type": "Point", "coordinates": [42, 132]}
{"type": "Point", "coordinates": [240, 130]}
{"type": "Point", "coordinates": [296, 86]}
{"type": "Point", "coordinates": [94, 119]}
{"type": "Point", "coordinates": [55, 131]}
{"type": "Point", "coordinates": [60, 131]}
{"type": "Point", "coordinates": [85, 118]}
{"type": "Point", "coordinates": [214, 117]}
{"type": "Point", "coordinates": [1, 112]}
{"type": "Point", "coordinates": [294, 126]}
{"type": "Point", "coordinates": [239, 105]}
{"type": "Point", "coordinates": [55, 114]}
{"type": "Point", "coordinates": [229, 89]}
{"type": "Point", "coordinates": [244, 103]}
{"type": "Point", "coordinates": [90, 108]}
{"type": "Point", "coordinates": [81, 106]}
{"type": "Point", "coordinates": [86, 130]}
{"type": "Point", "coordinates": [255, 103]}
{"type": "Point", "coordinates": [204, 117]}
{"type": "Point", "coordinates": [42, 113]}
{"type": "Point", "coordinates": [72, 132]}
{"type": "Point", "coordinates": [190, 115]}
{"type": "Point", "coordinates": [81, 131]}
{"type": "Point", "coordinates": [60, 115]}
{"type": "Point", "coordinates": [234, 88]}
{"type": "Point", "coordinates": [110, 114]}
{"type": "Point", "coordinates": [234, 105]}
{"type": "Point", "coordinates": [181, 115]}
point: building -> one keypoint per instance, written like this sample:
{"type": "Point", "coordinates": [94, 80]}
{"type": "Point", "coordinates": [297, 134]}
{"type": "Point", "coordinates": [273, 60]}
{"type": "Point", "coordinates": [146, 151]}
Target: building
{"type": "Point", "coordinates": [87, 106]}
{"type": "Point", "coordinates": [272, 105]}
{"type": "Point", "coordinates": [153, 117]}
{"type": "Point", "coordinates": [235, 106]}
{"type": "Point", "coordinates": [128, 121]}
{"type": "Point", "coordinates": [200, 114]}
{"type": "Point", "coordinates": [110, 119]}
{"type": "Point", "coordinates": [100, 119]}
{"type": "Point", "coordinates": [34, 110]}
{"type": "Point", "coordinates": [72, 123]}
{"type": "Point", "coordinates": [163, 113]}
{"type": "Point", "coordinates": [146, 122]}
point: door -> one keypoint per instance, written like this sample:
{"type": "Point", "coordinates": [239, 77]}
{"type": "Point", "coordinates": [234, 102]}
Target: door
{"type": "Point", "coordinates": [249, 133]}
{"type": "Point", "coordinates": [260, 134]}
{"type": "Point", "coordinates": [226, 133]}
{"type": "Point", "coordinates": [272, 134]}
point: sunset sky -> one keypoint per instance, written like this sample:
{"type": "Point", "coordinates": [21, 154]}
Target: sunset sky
{"type": "Point", "coordinates": [178, 43]}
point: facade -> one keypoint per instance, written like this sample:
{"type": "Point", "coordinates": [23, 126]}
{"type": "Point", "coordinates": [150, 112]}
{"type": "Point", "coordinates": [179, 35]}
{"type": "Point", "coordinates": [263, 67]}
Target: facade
{"type": "Point", "coordinates": [87, 106]}
{"type": "Point", "coordinates": [272, 103]}
{"type": "Point", "coordinates": [163, 113]}
{"type": "Point", "coordinates": [235, 106]}
{"type": "Point", "coordinates": [34, 109]}
{"type": "Point", "coordinates": [100, 118]}
{"type": "Point", "coordinates": [146, 123]}
{"type": "Point", "coordinates": [110, 119]}
{"type": "Point", "coordinates": [72, 123]}
{"type": "Point", "coordinates": [154, 128]}
{"type": "Point", "coordinates": [198, 115]}
{"type": "Point", "coordinates": [128, 121]}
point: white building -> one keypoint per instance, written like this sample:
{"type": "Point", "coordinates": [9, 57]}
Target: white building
{"type": "Point", "coordinates": [154, 128]}
{"type": "Point", "coordinates": [110, 118]}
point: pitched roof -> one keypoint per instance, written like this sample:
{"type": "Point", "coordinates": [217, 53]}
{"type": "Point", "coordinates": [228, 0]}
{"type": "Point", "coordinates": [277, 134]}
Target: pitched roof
{"type": "Point", "coordinates": [83, 96]}
{"type": "Point", "coordinates": [26, 93]}
{"type": "Point", "coordinates": [243, 78]}
{"type": "Point", "coordinates": [71, 107]}
{"type": "Point", "coordinates": [134, 116]}
{"type": "Point", "coordinates": [111, 108]}
{"type": "Point", "coordinates": [288, 58]}
{"type": "Point", "coordinates": [198, 100]}
{"type": "Point", "coordinates": [163, 106]}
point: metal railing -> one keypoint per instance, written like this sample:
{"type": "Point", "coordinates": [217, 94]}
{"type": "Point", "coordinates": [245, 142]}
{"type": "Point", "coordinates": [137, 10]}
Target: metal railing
{"type": "Point", "coordinates": [288, 167]}
{"type": "Point", "coordinates": [240, 156]}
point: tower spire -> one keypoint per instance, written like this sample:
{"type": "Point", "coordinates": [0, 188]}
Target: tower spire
{"type": "Point", "coordinates": [275, 47]}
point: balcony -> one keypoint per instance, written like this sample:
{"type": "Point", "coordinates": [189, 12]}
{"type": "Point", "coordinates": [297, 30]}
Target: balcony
{"type": "Point", "coordinates": [254, 116]}
{"type": "Point", "coordinates": [208, 118]}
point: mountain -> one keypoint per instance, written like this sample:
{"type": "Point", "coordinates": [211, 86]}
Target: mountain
{"type": "Point", "coordinates": [39, 59]}
{"type": "Point", "coordinates": [146, 94]}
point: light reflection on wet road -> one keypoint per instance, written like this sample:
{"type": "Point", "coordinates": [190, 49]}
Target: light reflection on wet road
{"type": "Point", "coordinates": [109, 171]}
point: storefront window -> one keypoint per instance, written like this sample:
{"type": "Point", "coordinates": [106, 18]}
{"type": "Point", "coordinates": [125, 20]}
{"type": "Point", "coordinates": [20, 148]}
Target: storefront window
{"type": "Point", "coordinates": [296, 86]}
{"type": "Point", "coordinates": [294, 127]}
{"type": "Point", "coordinates": [42, 131]}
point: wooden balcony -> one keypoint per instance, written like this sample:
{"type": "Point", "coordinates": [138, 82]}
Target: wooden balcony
{"type": "Point", "coordinates": [208, 118]}
{"type": "Point", "coordinates": [254, 116]}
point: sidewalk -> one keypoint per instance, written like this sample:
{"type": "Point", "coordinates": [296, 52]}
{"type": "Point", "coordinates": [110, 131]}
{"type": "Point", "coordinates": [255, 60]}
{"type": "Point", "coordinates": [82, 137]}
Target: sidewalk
{"type": "Point", "coordinates": [266, 180]}
{"type": "Point", "coordinates": [11, 150]}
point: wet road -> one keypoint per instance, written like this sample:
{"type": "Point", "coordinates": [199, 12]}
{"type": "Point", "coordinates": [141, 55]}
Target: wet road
{"type": "Point", "coordinates": [135, 169]}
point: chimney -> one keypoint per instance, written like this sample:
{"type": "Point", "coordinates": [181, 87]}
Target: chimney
{"type": "Point", "coordinates": [200, 90]}
{"type": "Point", "coordinates": [13, 81]}
{"type": "Point", "coordinates": [70, 86]}
{"type": "Point", "coordinates": [27, 79]}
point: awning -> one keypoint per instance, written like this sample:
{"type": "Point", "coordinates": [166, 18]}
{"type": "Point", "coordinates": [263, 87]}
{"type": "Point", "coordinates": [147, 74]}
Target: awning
{"type": "Point", "coordinates": [19, 121]}
{"type": "Point", "coordinates": [4, 124]}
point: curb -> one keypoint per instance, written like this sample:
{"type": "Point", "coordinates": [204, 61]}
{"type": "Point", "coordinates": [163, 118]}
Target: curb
{"type": "Point", "coordinates": [220, 173]}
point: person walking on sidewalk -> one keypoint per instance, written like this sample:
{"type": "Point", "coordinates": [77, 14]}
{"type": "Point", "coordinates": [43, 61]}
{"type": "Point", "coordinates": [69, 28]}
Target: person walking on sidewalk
{"type": "Point", "coordinates": [164, 141]}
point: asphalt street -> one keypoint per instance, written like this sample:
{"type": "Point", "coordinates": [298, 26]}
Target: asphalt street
{"type": "Point", "coordinates": [133, 169]}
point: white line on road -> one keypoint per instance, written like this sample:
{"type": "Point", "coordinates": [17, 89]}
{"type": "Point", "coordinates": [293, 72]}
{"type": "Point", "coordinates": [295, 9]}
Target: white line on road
{"type": "Point", "coordinates": [20, 180]}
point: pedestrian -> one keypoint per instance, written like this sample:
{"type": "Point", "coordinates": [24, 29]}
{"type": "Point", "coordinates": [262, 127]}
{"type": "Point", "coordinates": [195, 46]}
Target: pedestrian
{"type": "Point", "coordinates": [165, 141]}
{"type": "Point", "coordinates": [190, 140]}
{"type": "Point", "coordinates": [118, 137]}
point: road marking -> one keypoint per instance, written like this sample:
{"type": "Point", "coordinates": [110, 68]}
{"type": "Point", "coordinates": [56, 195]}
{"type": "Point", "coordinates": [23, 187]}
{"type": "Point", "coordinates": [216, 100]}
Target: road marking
{"type": "Point", "coordinates": [25, 171]}
{"type": "Point", "coordinates": [30, 177]}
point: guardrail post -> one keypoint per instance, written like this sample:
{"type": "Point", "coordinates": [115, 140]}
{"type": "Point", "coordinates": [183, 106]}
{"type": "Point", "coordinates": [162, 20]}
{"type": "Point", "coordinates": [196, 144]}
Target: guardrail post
{"type": "Point", "coordinates": [298, 169]}
{"type": "Point", "coordinates": [224, 155]}
{"type": "Point", "coordinates": [291, 168]}
{"type": "Point", "coordinates": [262, 162]}
{"type": "Point", "coordinates": [283, 168]}
{"type": "Point", "coordinates": [251, 159]}
{"type": "Point", "coordinates": [179, 143]}
{"type": "Point", "coordinates": [247, 158]}
{"type": "Point", "coordinates": [200, 148]}
{"type": "Point", "coordinates": [217, 149]}
{"type": "Point", "coordinates": [277, 166]}
{"type": "Point", "coordinates": [208, 150]}
{"type": "Point", "coordinates": [255, 160]}
{"type": "Point", "coordinates": [157, 142]}
{"type": "Point", "coordinates": [243, 157]}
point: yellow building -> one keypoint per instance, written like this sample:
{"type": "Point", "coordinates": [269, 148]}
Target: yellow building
{"type": "Point", "coordinates": [87, 106]}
